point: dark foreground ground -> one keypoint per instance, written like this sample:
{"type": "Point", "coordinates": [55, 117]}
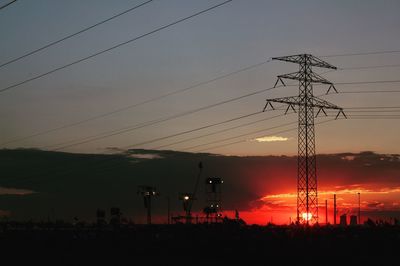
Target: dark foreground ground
{"type": "Point", "coordinates": [215, 244]}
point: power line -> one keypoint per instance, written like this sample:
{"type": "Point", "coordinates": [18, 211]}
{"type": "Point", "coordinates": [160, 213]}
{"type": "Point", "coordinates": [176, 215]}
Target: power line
{"type": "Point", "coordinates": [104, 160]}
{"type": "Point", "coordinates": [246, 124]}
{"type": "Point", "coordinates": [230, 120]}
{"type": "Point", "coordinates": [136, 104]}
{"type": "Point", "coordinates": [375, 118]}
{"type": "Point", "coordinates": [160, 120]}
{"type": "Point", "coordinates": [372, 107]}
{"type": "Point", "coordinates": [368, 82]}
{"type": "Point", "coordinates": [243, 140]}
{"type": "Point", "coordinates": [114, 157]}
{"type": "Point", "coordinates": [374, 111]}
{"type": "Point", "coordinates": [375, 91]}
{"type": "Point", "coordinates": [359, 91]}
{"type": "Point", "coordinates": [141, 125]}
{"type": "Point", "coordinates": [142, 103]}
{"type": "Point", "coordinates": [238, 136]}
{"type": "Point", "coordinates": [73, 34]}
{"type": "Point", "coordinates": [113, 47]}
{"type": "Point", "coordinates": [208, 134]}
{"type": "Point", "coordinates": [372, 115]}
{"type": "Point", "coordinates": [193, 130]}
{"type": "Point", "coordinates": [357, 107]}
{"type": "Point", "coordinates": [234, 127]}
{"type": "Point", "coordinates": [83, 121]}
{"type": "Point", "coordinates": [369, 67]}
{"type": "Point", "coordinates": [376, 115]}
{"type": "Point", "coordinates": [212, 133]}
{"type": "Point", "coordinates": [151, 100]}
{"type": "Point", "coordinates": [363, 53]}
{"type": "Point", "coordinates": [157, 121]}
{"type": "Point", "coordinates": [6, 5]}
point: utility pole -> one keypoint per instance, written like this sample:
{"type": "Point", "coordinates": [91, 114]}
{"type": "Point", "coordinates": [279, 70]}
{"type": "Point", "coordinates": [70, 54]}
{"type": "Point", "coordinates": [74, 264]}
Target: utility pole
{"type": "Point", "coordinates": [200, 166]}
{"type": "Point", "coordinates": [168, 211]}
{"type": "Point", "coordinates": [148, 209]}
{"type": "Point", "coordinates": [306, 102]}
{"type": "Point", "coordinates": [359, 208]}
{"type": "Point", "coordinates": [334, 209]}
{"type": "Point", "coordinates": [189, 198]}
{"type": "Point", "coordinates": [326, 212]}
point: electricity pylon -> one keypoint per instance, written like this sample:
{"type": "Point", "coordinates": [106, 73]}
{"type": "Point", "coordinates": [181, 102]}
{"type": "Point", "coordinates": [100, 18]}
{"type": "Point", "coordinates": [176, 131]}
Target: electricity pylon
{"type": "Point", "coordinates": [306, 102]}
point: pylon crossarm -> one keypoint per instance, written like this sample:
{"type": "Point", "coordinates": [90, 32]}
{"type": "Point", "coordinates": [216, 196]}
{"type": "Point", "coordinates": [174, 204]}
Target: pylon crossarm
{"type": "Point", "coordinates": [315, 61]}
{"type": "Point", "coordinates": [293, 100]}
{"type": "Point", "coordinates": [312, 77]}
{"type": "Point", "coordinates": [300, 58]}
{"type": "Point", "coordinates": [319, 103]}
{"type": "Point", "coordinates": [290, 58]}
{"type": "Point", "coordinates": [294, 75]}
{"type": "Point", "coordinates": [315, 78]}
{"type": "Point", "coordinates": [297, 101]}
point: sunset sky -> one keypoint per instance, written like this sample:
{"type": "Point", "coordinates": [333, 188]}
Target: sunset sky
{"type": "Point", "coordinates": [226, 39]}
{"type": "Point", "coordinates": [116, 101]}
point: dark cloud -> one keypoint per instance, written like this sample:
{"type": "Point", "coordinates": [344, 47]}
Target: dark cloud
{"type": "Point", "coordinates": [365, 168]}
{"type": "Point", "coordinates": [78, 184]}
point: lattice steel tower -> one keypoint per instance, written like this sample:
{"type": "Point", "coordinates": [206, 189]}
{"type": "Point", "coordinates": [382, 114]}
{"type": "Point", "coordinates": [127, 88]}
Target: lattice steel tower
{"type": "Point", "coordinates": [306, 103]}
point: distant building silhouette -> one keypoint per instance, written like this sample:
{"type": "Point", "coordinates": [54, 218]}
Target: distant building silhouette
{"type": "Point", "coordinates": [353, 220]}
{"type": "Point", "coordinates": [343, 219]}
{"type": "Point", "coordinates": [101, 216]}
{"type": "Point", "coordinates": [115, 215]}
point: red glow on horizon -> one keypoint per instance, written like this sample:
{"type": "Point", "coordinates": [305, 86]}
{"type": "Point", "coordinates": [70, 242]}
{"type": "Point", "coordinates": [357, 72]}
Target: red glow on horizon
{"type": "Point", "coordinates": [281, 208]}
